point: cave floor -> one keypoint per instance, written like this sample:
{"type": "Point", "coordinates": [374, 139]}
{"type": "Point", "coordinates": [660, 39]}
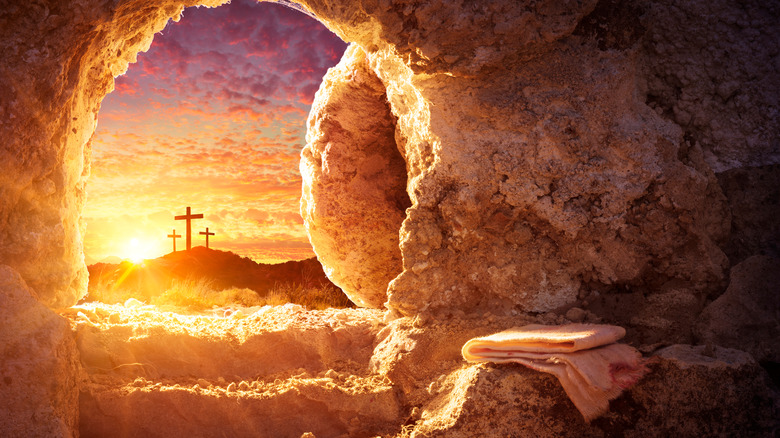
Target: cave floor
{"type": "Point", "coordinates": [259, 371]}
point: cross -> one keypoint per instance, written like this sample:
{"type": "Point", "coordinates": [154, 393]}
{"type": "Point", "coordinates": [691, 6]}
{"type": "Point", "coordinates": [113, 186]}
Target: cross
{"type": "Point", "coordinates": [207, 234]}
{"type": "Point", "coordinates": [174, 236]}
{"type": "Point", "coordinates": [188, 217]}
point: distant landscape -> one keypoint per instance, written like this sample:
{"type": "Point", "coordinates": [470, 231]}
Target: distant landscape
{"type": "Point", "coordinates": [203, 278]}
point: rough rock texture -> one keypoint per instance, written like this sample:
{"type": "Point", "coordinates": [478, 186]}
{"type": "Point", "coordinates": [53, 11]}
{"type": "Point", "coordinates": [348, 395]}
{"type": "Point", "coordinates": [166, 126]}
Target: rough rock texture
{"type": "Point", "coordinates": [689, 391]}
{"type": "Point", "coordinates": [536, 170]}
{"type": "Point", "coordinates": [666, 317]}
{"type": "Point", "coordinates": [282, 408]}
{"type": "Point", "coordinates": [711, 67]}
{"type": "Point", "coordinates": [150, 373]}
{"type": "Point", "coordinates": [354, 182]}
{"type": "Point", "coordinates": [543, 176]}
{"type": "Point", "coordinates": [255, 372]}
{"type": "Point", "coordinates": [696, 391]}
{"type": "Point", "coordinates": [414, 352]}
{"type": "Point", "coordinates": [747, 316]}
{"type": "Point", "coordinates": [38, 365]}
{"type": "Point", "coordinates": [144, 341]}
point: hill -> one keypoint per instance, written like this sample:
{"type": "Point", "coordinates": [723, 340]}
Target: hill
{"type": "Point", "coordinates": [203, 271]}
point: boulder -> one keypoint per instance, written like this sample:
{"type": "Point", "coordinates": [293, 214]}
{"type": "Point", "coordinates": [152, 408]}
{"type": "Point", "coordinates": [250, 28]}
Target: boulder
{"type": "Point", "coordinates": [535, 168]}
{"type": "Point", "coordinates": [38, 365]}
{"type": "Point", "coordinates": [536, 171]}
{"type": "Point", "coordinates": [354, 181]}
{"type": "Point", "coordinates": [555, 155]}
{"type": "Point", "coordinates": [565, 188]}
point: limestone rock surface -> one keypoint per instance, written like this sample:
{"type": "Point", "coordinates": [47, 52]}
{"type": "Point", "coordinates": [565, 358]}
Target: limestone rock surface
{"type": "Point", "coordinates": [536, 171]}
{"type": "Point", "coordinates": [260, 372]}
{"type": "Point", "coordinates": [678, 397]}
{"type": "Point", "coordinates": [38, 365]}
{"type": "Point", "coordinates": [573, 185]}
{"type": "Point", "coordinates": [747, 316]}
{"type": "Point", "coordinates": [689, 391]}
{"type": "Point", "coordinates": [285, 408]}
{"type": "Point", "coordinates": [695, 392]}
{"type": "Point", "coordinates": [711, 67]}
{"type": "Point", "coordinates": [119, 342]}
{"type": "Point", "coordinates": [665, 317]}
{"type": "Point", "coordinates": [354, 181]}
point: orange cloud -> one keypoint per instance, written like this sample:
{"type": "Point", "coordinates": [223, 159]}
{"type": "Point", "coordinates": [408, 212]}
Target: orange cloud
{"type": "Point", "coordinates": [214, 120]}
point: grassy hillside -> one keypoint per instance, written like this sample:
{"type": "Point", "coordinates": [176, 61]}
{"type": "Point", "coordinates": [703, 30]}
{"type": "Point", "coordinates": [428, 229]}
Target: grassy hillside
{"type": "Point", "coordinates": [202, 278]}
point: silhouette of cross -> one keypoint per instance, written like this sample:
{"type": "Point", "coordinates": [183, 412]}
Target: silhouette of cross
{"type": "Point", "coordinates": [174, 236]}
{"type": "Point", "coordinates": [207, 234]}
{"type": "Point", "coordinates": [188, 217]}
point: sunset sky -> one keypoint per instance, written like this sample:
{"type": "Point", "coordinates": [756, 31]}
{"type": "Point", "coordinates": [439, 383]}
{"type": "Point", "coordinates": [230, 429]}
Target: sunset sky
{"type": "Point", "coordinates": [213, 116]}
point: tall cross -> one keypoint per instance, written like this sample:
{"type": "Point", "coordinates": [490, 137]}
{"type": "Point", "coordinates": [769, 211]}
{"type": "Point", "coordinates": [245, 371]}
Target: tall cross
{"type": "Point", "coordinates": [207, 234]}
{"type": "Point", "coordinates": [188, 217]}
{"type": "Point", "coordinates": [174, 236]}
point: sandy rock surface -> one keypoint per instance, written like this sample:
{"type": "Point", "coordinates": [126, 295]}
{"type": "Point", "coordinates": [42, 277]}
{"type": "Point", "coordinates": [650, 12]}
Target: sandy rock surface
{"type": "Point", "coordinates": [38, 365]}
{"type": "Point", "coordinates": [696, 391]}
{"type": "Point", "coordinates": [711, 67]}
{"type": "Point", "coordinates": [323, 406]}
{"type": "Point", "coordinates": [413, 383]}
{"type": "Point", "coordinates": [354, 182]}
{"type": "Point", "coordinates": [537, 172]}
{"type": "Point", "coordinates": [510, 400]}
{"type": "Point", "coordinates": [450, 398]}
{"type": "Point", "coordinates": [147, 341]}
{"type": "Point", "coordinates": [262, 371]}
{"type": "Point", "coordinates": [546, 152]}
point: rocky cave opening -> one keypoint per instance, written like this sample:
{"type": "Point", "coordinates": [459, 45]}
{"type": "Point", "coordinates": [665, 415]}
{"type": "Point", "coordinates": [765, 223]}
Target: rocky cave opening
{"type": "Point", "coordinates": [286, 362]}
{"type": "Point", "coordinates": [542, 189]}
{"type": "Point", "coordinates": [351, 163]}
{"type": "Point", "coordinates": [354, 200]}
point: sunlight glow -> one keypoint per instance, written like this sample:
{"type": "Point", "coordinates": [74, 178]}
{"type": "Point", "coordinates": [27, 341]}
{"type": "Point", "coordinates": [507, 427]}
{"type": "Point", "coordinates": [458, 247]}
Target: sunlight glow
{"type": "Point", "coordinates": [136, 250]}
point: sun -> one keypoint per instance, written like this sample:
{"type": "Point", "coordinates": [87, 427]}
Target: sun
{"type": "Point", "coordinates": [136, 250]}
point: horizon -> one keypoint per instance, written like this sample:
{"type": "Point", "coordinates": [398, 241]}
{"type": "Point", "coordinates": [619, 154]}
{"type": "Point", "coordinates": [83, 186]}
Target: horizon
{"type": "Point", "coordinates": [106, 259]}
{"type": "Point", "coordinates": [216, 121]}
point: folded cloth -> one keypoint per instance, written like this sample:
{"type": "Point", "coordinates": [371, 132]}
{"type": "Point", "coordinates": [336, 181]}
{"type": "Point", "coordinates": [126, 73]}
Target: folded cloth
{"type": "Point", "coordinates": [591, 368]}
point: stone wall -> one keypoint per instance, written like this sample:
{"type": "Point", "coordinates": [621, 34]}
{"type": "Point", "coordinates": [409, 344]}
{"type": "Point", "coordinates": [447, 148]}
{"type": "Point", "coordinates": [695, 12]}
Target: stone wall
{"type": "Point", "coordinates": [548, 162]}
{"type": "Point", "coordinates": [354, 181]}
{"type": "Point", "coordinates": [38, 365]}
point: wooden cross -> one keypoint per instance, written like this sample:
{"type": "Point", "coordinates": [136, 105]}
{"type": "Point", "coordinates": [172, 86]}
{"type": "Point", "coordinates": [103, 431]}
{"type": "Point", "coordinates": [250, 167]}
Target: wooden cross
{"type": "Point", "coordinates": [174, 236]}
{"type": "Point", "coordinates": [207, 234]}
{"type": "Point", "coordinates": [188, 217]}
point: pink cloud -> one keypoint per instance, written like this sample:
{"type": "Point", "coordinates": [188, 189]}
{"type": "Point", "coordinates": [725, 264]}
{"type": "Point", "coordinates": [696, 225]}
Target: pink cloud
{"type": "Point", "coordinates": [215, 114]}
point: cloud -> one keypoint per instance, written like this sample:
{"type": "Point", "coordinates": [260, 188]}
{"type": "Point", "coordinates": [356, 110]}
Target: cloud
{"type": "Point", "coordinates": [212, 116]}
